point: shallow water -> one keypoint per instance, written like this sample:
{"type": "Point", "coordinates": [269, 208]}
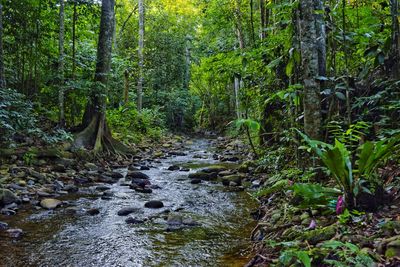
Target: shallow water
{"type": "Point", "coordinates": [222, 239]}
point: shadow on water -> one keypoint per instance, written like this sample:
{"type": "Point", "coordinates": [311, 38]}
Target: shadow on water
{"type": "Point", "coordinates": [60, 239]}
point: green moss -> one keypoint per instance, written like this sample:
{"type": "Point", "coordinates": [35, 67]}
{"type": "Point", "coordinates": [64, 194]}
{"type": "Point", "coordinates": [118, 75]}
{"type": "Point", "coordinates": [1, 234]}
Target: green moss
{"type": "Point", "coordinates": [315, 236]}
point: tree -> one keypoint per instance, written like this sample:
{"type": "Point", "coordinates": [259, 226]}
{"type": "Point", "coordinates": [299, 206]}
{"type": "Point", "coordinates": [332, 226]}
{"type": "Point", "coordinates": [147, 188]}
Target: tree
{"type": "Point", "coordinates": [2, 78]}
{"type": "Point", "coordinates": [395, 49]}
{"type": "Point", "coordinates": [310, 65]}
{"type": "Point", "coordinates": [95, 132]}
{"type": "Point", "coordinates": [141, 56]}
{"type": "Point", "coordinates": [61, 66]}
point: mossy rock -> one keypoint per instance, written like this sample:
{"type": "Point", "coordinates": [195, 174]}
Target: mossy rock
{"type": "Point", "coordinates": [313, 237]}
{"type": "Point", "coordinates": [203, 176]}
{"type": "Point", "coordinates": [226, 180]}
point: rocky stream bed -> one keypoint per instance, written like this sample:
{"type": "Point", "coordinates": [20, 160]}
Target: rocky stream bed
{"type": "Point", "coordinates": [176, 206]}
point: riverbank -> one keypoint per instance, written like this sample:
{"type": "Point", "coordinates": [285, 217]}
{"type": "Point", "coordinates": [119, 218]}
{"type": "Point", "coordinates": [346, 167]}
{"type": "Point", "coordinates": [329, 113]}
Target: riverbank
{"type": "Point", "coordinates": [72, 211]}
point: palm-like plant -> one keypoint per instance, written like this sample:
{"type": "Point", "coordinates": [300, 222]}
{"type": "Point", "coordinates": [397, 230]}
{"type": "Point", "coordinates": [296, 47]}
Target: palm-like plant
{"type": "Point", "coordinates": [339, 161]}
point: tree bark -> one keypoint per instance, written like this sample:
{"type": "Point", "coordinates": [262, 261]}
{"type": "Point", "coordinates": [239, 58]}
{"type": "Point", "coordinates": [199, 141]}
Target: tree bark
{"type": "Point", "coordinates": [262, 19]}
{"type": "Point", "coordinates": [2, 77]}
{"type": "Point", "coordinates": [312, 103]}
{"type": "Point", "coordinates": [96, 133]}
{"type": "Point", "coordinates": [126, 87]}
{"type": "Point", "coordinates": [186, 80]}
{"type": "Point", "coordinates": [141, 56]}
{"type": "Point", "coordinates": [395, 49]}
{"type": "Point", "coordinates": [61, 67]}
{"type": "Point", "coordinates": [321, 36]}
{"type": "Point", "coordinates": [74, 19]}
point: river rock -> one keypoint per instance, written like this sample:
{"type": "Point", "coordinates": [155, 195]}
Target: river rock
{"type": "Point", "coordinates": [8, 197]}
{"type": "Point", "coordinates": [3, 226]}
{"type": "Point", "coordinates": [127, 211]}
{"type": "Point", "coordinates": [15, 233]}
{"type": "Point", "coordinates": [59, 168]}
{"type": "Point", "coordinates": [93, 212]}
{"type": "Point", "coordinates": [106, 179]}
{"type": "Point", "coordinates": [131, 220]}
{"type": "Point", "coordinates": [144, 168]}
{"type": "Point", "coordinates": [195, 181]}
{"type": "Point", "coordinates": [232, 180]}
{"type": "Point", "coordinates": [114, 175]}
{"type": "Point", "coordinates": [174, 219]}
{"type": "Point", "coordinates": [50, 203]}
{"type": "Point", "coordinates": [138, 182]}
{"type": "Point", "coordinates": [144, 190]}
{"type": "Point", "coordinates": [137, 175]}
{"type": "Point", "coordinates": [102, 188]}
{"type": "Point", "coordinates": [154, 204]}
{"type": "Point", "coordinates": [71, 188]}
{"type": "Point", "coordinates": [177, 153]}
{"type": "Point", "coordinates": [174, 168]}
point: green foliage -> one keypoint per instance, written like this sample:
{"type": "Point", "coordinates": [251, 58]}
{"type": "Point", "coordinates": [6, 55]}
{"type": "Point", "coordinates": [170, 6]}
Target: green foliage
{"type": "Point", "coordinates": [288, 256]}
{"type": "Point", "coordinates": [29, 157]}
{"type": "Point", "coordinates": [132, 127]}
{"type": "Point", "coordinates": [339, 161]}
{"type": "Point", "coordinates": [16, 115]}
{"type": "Point", "coordinates": [345, 254]}
{"type": "Point", "coordinates": [315, 195]}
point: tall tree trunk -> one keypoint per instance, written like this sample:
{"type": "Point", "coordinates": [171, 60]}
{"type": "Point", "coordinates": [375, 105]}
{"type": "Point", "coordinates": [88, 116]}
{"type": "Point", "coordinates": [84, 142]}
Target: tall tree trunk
{"type": "Point", "coordinates": [96, 133]}
{"type": "Point", "coordinates": [395, 49]}
{"type": "Point", "coordinates": [141, 56]}
{"type": "Point", "coordinates": [252, 35]}
{"type": "Point", "coordinates": [312, 103]}
{"type": "Point", "coordinates": [321, 36]}
{"type": "Point", "coordinates": [186, 80]}
{"type": "Point", "coordinates": [126, 87]}
{"type": "Point", "coordinates": [61, 67]}
{"type": "Point", "coordinates": [262, 19]}
{"type": "Point", "coordinates": [74, 19]}
{"type": "Point", "coordinates": [2, 77]}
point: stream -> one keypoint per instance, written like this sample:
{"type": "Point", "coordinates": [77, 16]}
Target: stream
{"type": "Point", "coordinates": [221, 238]}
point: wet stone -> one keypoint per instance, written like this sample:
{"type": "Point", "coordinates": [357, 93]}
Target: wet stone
{"type": "Point", "coordinates": [195, 181]}
{"type": "Point", "coordinates": [127, 211]}
{"type": "Point", "coordinates": [173, 168]}
{"type": "Point", "coordinates": [154, 204]}
{"type": "Point", "coordinates": [15, 233]}
{"type": "Point", "coordinates": [3, 226]}
{"type": "Point", "coordinates": [137, 175]}
{"type": "Point", "coordinates": [93, 212]}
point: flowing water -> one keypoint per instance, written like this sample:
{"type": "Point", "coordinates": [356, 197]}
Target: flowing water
{"type": "Point", "coordinates": [222, 238]}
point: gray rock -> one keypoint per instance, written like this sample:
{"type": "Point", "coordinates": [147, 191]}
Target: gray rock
{"type": "Point", "coordinates": [127, 211]}
{"type": "Point", "coordinates": [3, 226]}
{"type": "Point", "coordinates": [15, 233]}
{"type": "Point", "coordinates": [190, 222]}
{"type": "Point", "coordinates": [8, 197]}
{"type": "Point", "coordinates": [195, 181]}
{"type": "Point", "coordinates": [154, 204]}
{"type": "Point", "coordinates": [174, 219]}
{"type": "Point", "coordinates": [137, 174]}
{"type": "Point", "coordinates": [93, 212]}
{"type": "Point", "coordinates": [102, 188]}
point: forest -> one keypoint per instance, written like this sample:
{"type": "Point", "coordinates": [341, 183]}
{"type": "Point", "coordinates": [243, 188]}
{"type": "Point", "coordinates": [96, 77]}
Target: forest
{"type": "Point", "coordinates": [199, 133]}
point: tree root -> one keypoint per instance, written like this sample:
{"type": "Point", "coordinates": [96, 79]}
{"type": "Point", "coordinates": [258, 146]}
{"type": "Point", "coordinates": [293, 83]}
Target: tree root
{"type": "Point", "coordinates": [97, 137]}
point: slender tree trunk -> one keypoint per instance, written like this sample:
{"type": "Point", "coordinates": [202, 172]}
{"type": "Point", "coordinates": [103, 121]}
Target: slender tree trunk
{"type": "Point", "coordinates": [312, 103]}
{"type": "Point", "coordinates": [395, 49]}
{"type": "Point", "coordinates": [346, 62]}
{"type": "Point", "coordinates": [187, 63]}
{"type": "Point", "coordinates": [96, 133]}
{"type": "Point", "coordinates": [61, 67]}
{"type": "Point", "coordinates": [74, 19]}
{"type": "Point", "coordinates": [252, 35]}
{"type": "Point", "coordinates": [126, 87]}
{"type": "Point", "coordinates": [321, 36]}
{"type": "Point", "coordinates": [262, 19]}
{"type": "Point", "coordinates": [2, 77]}
{"type": "Point", "coordinates": [141, 56]}
{"type": "Point", "coordinates": [237, 97]}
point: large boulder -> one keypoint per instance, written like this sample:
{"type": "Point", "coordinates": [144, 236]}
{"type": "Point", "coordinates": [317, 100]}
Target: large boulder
{"type": "Point", "coordinates": [7, 197]}
{"type": "Point", "coordinates": [203, 175]}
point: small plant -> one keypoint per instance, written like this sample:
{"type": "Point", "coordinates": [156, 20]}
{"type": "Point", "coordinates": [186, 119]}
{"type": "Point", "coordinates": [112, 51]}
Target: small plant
{"type": "Point", "coordinates": [340, 161]}
{"type": "Point", "coordinates": [29, 157]}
